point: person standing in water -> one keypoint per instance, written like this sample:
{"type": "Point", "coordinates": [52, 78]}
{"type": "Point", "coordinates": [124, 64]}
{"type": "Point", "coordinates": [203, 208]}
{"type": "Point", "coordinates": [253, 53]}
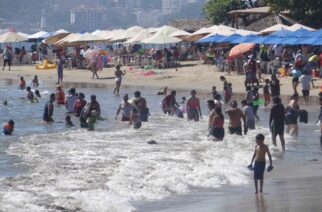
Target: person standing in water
{"type": "Point", "coordinates": [7, 128]}
{"type": "Point", "coordinates": [49, 110]}
{"type": "Point", "coordinates": [143, 110]}
{"type": "Point", "coordinates": [126, 109]}
{"type": "Point", "coordinates": [118, 79]}
{"type": "Point", "coordinates": [259, 157]}
{"type": "Point", "coordinates": [79, 104]}
{"type": "Point", "coordinates": [193, 107]}
{"type": "Point", "coordinates": [235, 117]}
{"type": "Point", "coordinates": [35, 82]}
{"type": "Point", "coordinates": [169, 103]}
{"type": "Point", "coordinates": [70, 100]}
{"type": "Point", "coordinates": [276, 121]}
{"type": "Point", "coordinates": [60, 95]}
{"type": "Point", "coordinates": [215, 122]}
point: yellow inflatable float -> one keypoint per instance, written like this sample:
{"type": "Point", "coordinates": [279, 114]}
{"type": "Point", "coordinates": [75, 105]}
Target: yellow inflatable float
{"type": "Point", "coordinates": [45, 65]}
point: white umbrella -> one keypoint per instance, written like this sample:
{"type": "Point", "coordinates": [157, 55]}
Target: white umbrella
{"type": "Point", "coordinates": [180, 33]}
{"type": "Point", "coordinates": [161, 39]}
{"type": "Point", "coordinates": [86, 37]}
{"type": "Point", "coordinates": [167, 30]}
{"type": "Point", "coordinates": [274, 28]}
{"type": "Point", "coordinates": [144, 34]}
{"type": "Point", "coordinates": [297, 26]}
{"type": "Point", "coordinates": [11, 37]}
{"type": "Point", "coordinates": [129, 33]}
{"type": "Point", "coordinates": [96, 32]}
{"type": "Point", "coordinates": [23, 35]}
{"type": "Point", "coordinates": [115, 35]}
{"type": "Point", "coordinates": [68, 38]}
{"type": "Point", "coordinates": [39, 35]}
{"type": "Point", "coordinates": [61, 31]}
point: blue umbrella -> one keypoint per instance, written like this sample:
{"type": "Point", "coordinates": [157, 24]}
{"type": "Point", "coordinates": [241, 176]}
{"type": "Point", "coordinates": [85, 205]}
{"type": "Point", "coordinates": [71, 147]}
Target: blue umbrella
{"type": "Point", "coordinates": [281, 33]}
{"type": "Point", "coordinates": [299, 33]}
{"type": "Point", "coordinates": [317, 33]}
{"type": "Point", "coordinates": [313, 41]}
{"type": "Point", "coordinates": [230, 38]}
{"type": "Point", "coordinates": [246, 39]}
{"type": "Point", "coordinates": [264, 39]}
{"type": "Point", "coordinates": [273, 40]}
{"type": "Point", "coordinates": [210, 39]}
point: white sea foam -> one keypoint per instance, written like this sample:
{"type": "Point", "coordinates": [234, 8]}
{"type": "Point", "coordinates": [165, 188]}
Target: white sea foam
{"type": "Point", "coordinates": [104, 171]}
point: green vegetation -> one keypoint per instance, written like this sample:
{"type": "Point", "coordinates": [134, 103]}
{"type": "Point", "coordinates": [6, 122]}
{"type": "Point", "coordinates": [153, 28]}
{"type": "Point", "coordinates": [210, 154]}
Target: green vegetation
{"type": "Point", "coordinates": [216, 11]}
{"type": "Point", "coordinates": [307, 12]}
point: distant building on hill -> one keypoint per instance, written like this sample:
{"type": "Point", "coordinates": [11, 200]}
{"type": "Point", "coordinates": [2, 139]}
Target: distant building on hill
{"type": "Point", "coordinates": [148, 19]}
{"type": "Point", "coordinates": [171, 6]}
{"type": "Point", "coordinates": [88, 18]}
{"type": "Point", "coordinates": [67, 5]}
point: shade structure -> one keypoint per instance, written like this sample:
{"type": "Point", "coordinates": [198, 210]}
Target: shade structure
{"type": "Point", "coordinates": [313, 41]}
{"type": "Point", "coordinates": [127, 34]}
{"type": "Point", "coordinates": [96, 32]}
{"type": "Point", "coordinates": [297, 26]}
{"type": "Point", "coordinates": [246, 39]}
{"type": "Point", "coordinates": [274, 28]}
{"type": "Point", "coordinates": [167, 30]}
{"type": "Point", "coordinates": [300, 33]}
{"type": "Point", "coordinates": [197, 35]}
{"type": "Point", "coordinates": [281, 33]}
{"type": "Point", "coordinates": [274, 40]}
{"type": "Point", "coordinates": [211, 39]}
{"type": "Point", "coordinates": [317, 33]}
{"type": "Point", "coordinates": [54, 38]}
{"type": "Point", "coordinates": [114, 35]}
{"type": "Point", "coordinates": [67, 39]}
{"type": "Point", "coordinates": [229, 38]}
{"type": "Point", "coordinates": [39, 35]}
{"type": "Point", "coordinates": [240, 49]}
{"type": "Point", "coordinates": [144, 34]}
{"type": "Point", "coordinates": [85, 38]}
{"type": "Point", "coordinates": [61, 31]}
{"type": "Point", "coordinates": [11, 37]}
{"type": "Point", "coordinates": [180, 34]}
{"type": "Point", "coordinates": [23, 35]}
{"type": "Point", "coordinates": [161, 39]}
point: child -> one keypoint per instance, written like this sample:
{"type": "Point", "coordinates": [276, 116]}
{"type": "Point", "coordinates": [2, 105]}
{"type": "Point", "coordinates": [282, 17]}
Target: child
{"type": "Point", "coordinates": [68, 121]}
{"type": "Point", "coordinates": [260, 162]}
{"type": "Point", "coordinates": [22, 84]}
{"type": "Point", "coordinates": [8, 127]}
{"type": "Point", "coordinates": [266, 93]}
{"type": "Point", "coordinates": [214, 92]}
{"type": "Point", "coordinates": [227, 95]}
{"type": "Point", "coordinates": [37, 93]}
{"type": "Point", "coordinates": [223, 79]}
{"type": "Point", "coordinates": [30, 95]}
{"type": "Point", "coordinates": [60, 95]}
{"type": "Point", "coordinates": [35, 82]}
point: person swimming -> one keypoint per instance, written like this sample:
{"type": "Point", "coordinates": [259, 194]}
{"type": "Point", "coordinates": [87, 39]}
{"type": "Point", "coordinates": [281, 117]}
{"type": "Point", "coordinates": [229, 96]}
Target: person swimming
{"type": "Point", "coordinates": [22, 84]}
{"type": "Point", "coordinates": [30, 95]}
{"type": "Point", "coordinates": [8, 127]}
{"type": "Point", "coordinates": [35, 82]}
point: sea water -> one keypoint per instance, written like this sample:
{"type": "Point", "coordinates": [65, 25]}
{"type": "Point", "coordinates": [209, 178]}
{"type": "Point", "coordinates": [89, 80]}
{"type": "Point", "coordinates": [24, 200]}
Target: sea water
{"type": "Point", "coordinates": [51, 168]}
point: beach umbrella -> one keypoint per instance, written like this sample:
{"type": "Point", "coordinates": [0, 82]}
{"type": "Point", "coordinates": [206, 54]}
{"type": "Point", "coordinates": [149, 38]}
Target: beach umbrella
{"type": "Point", "coordinates": [245, 32]}
{"type": "Point", "coordinates": [181, 34]}
{"type": "Point", "coordinates": [23, 35]}
{"type": "Point", "coordinates": [274, 40]}
{"type": "Point", "coordinates": [300, 33]}
{"type": "Point", "coordinates": [297, 26]}
{"type": "Point", "coordinates": [246, 39]}
{"type": "Point", "coordinates": [281, 33]}
{"type": "Point", "coordinates": [114, 35]}
{"type": "Point", "coordinates": [240, 49]}
{"type": "Point", "coordinates": [67, 39]}
{"type": "Point", "coordinates": [228, 39]}
{"type": "Point", "coordinates": [39, 35]}
{"type": "Point", "coordinates": [144, 34]}
{"type": "Point", "coordinates": [11, 37]}
{"type": "Point", "coordinates": [161, 39]}
{"type": "Point", "coordinates": [274, 28]}
{"type": "Point", "coordinates": [54, 38]}
{"type": "Point", "coordinates": [127, 34]}
{"type": "Point", "coordinates": [84, 38]}
{"type": "Point", "coordinates": [167, 30]}
{"type": "Point", "coordinates": [61, 31]}
{"type": "Point", "coordinates": [211, 39]}
{"type": "Point", "coordinates": [317, 33]}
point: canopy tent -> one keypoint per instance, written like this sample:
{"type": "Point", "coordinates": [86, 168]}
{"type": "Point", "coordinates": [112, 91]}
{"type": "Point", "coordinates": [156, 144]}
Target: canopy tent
{"type": "Point", "coordinates": [161, 39]}
{"type": "Point", "coordinates": [240, 49]}
{"type": "Point", "coordinates": [152, 29]}
{"type": "Point", "coordinates": [297, 26]}
{"type": "Point", "coordinates": [11, 37]}
{"type": "Point", "coordinates": [274, 28]}
{"type": "Point", "coordinates": [197, 35]}
{"type": "Point", "coordinates": [244, 32]}
{"type": "Point", "coordinates": [114, 34]}
{"type": "Point", "coordinates": [84, 38]}
{"type": "Point", "coordinates": [39, 35]}
{"type": "Point", "coordinates": [96, 32]}
{"type": "Point", "coordinates": [281, 33]}
{"type": "Point", "coordinates": [167, 30]}
{"type": "Point", "coordinates": [144, 34]}
{"type": "Point", "coordinates": [181, 34]}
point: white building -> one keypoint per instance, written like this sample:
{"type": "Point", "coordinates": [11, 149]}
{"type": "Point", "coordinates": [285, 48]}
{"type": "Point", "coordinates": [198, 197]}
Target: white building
{"type": "Point", "coordinates": [171, 6]}
{"type": "Point", "coordinates": [148, 19]}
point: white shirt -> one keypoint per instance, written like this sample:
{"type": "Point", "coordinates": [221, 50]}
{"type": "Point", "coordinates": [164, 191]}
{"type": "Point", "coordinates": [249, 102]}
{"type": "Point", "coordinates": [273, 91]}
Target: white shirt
{"type": "Point", "coordinates": [249, 112]}
{"type": "Point", "coordinates": [305, 82]}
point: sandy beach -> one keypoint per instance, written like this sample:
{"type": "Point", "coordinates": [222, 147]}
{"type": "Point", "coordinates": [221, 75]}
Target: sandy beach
{"type": "Point", "coordinates": [191, 75]}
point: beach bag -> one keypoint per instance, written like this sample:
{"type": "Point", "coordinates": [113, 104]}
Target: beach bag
{"type": "Point", "coordinates": [304, 116]}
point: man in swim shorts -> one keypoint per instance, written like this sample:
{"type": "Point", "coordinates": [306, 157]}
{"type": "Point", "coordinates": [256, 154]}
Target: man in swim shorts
{"type": "Point", "coordinates": [276, 121]}
{"type": "Point", "coordinates": [169, 103]}
{"type": "Point", "coordinates": [235, 117]}
{"type": "Point", "coordinates": [143, 110]}
{"type": "Point", "coordinates": [260, 162]}
{"type": "Point", "coordinates": [125, 107]}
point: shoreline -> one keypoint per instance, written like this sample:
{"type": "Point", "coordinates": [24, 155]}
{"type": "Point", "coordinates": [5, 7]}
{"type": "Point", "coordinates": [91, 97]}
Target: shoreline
{"type": "Point", "coordinates": [190, 76]}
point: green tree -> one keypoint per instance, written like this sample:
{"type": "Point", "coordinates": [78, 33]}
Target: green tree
{"type": "Point", "coordinates": [308, 12]}
{"type": "Point", "coordinates": [216, 11]}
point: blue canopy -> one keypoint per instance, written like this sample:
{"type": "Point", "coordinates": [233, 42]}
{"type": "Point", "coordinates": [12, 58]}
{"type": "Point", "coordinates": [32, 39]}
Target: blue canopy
{"type": "Point", "coordinates": [210, 39]}
{"type": "Point", "coordinates": [273, 40]}
{"type": "Point", "coordinates": [313, 41]}
{"type": "Point", "coordinates": [230, 38]}
{"type": "Point", "coordinates": [317, 33]}
{"type": "Point", "coordinates": [250, 38]}
{"type": "Point", "coordinates": [281, 33]}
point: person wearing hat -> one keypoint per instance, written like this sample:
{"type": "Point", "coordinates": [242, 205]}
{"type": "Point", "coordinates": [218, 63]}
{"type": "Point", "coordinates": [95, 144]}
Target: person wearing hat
{"type": "Point", "coordinates": [118, 79]}
{"type": "Point", "coordinates": [125, 107]}
{"type": "Point", "coordinates": [70, 100]}
{"type": "Point", "coordinates": [8, 127]}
